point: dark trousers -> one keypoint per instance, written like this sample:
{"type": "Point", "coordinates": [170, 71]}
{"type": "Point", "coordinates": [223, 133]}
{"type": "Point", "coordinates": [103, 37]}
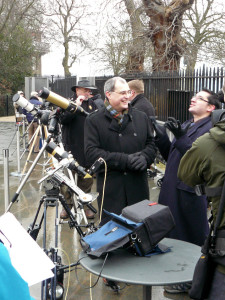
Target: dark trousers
{"type": "Point", "coordinates": [217, 291]}
{"type": "Point", "coordinates": [84, 184]}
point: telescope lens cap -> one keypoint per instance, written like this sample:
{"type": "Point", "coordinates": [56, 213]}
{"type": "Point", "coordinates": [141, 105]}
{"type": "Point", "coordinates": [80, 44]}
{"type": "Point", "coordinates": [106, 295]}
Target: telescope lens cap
{"type": "Point", "coordinates": [16, 97]}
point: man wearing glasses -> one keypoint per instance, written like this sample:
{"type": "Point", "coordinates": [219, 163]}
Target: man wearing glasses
{"type": "Point", "coordinates": [121, 136]}
{"type": "Point", "coordinates": [188, 209]}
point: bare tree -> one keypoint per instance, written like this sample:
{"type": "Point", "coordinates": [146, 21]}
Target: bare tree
{"type": "Point", "coordinates": [203, 30]}
{"type": "Point", "coordinates": [155, 25]}
{"type": "Point", "coordinates": [66, 18]}
{"type": "Point", "coordinates": [112, 56]}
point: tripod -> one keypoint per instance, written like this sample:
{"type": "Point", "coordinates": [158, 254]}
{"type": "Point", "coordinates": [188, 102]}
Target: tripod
{"type": "Point", "coordinates": [53, 288]}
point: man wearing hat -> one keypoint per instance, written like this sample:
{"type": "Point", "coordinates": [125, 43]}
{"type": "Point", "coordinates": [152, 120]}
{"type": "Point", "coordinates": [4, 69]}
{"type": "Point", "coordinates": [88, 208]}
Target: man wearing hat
{"type": "Point", "coordinates": [73, 137]}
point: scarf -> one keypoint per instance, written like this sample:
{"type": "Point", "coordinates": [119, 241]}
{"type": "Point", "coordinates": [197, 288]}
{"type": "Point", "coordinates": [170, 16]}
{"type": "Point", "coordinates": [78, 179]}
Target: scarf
{"type": "Point", "coordinates": [114, 113]}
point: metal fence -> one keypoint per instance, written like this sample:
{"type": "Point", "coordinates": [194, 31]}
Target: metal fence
{"type": "Point", "coordinates": [62, 86]}
{"type": "Point", "coordinates": [169, 92]}
{"type": "Point", "coordinates": [6, 105]}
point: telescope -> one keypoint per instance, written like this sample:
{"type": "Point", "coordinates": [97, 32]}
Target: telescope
{"type": "Point", "coordinates": [60, 101]}
{"type": "Point", "coordinates": [66, 159]}
{"type": "Point", "coordinates": [31, 108]}
{"type": "Point", "coordinates": [24, 103]}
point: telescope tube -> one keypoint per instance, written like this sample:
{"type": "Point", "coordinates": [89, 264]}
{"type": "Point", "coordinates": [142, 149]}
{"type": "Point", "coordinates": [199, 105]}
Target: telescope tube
{"type": "Point", "coordinates": [60, 101]}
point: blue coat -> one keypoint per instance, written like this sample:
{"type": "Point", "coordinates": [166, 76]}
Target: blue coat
{"type": "Point", "coordinates": [33, 100]}
{"type": "Point", "coordinates": [188, 209]}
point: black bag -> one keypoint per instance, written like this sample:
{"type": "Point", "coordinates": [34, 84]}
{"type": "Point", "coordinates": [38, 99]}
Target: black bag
{"type": "Point", "coordinates": [202, 278]}
{"type": "Point", "coordinates": [140, 227]}
{"type": "Point", "coordinates": [205, 267]}
{"type": "Point", "coordinates": [156, 220]}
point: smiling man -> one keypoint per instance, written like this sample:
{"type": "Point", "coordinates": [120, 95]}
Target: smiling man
{"type": "Point", "coordinates": [188, 209]}
{"type": "Point", "coordinates": [121, 136]}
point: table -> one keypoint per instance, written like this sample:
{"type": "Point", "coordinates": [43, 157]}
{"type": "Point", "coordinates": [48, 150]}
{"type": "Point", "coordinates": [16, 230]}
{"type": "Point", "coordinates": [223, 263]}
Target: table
{"type": "Point", "coordinates": [176, 266]}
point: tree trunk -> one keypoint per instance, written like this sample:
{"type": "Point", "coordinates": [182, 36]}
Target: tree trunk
{"type": "Point", "coordinates": [65, 61]}
{"type": "Point", "coordinates": [136, 54]}
{"type": "Point", "coordinates": [191, 58]}
{"type": "Point", "coordinates": [165, 32]}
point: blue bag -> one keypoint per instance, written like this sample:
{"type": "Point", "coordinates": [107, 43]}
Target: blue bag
{"type": "Point", "coordinates": [139, 229]}
{"type": "Point", "coordinates": [113, 235]}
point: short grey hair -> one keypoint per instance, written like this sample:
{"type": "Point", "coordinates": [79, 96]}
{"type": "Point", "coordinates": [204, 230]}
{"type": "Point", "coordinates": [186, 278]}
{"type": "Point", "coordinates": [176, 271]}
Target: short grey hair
{"type": "Point", "coordinates": [110, 83]}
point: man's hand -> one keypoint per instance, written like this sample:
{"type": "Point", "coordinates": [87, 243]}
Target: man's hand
{"type": "Point", "coordinates": [175, 127]}
{"type": "Point", "coordinates": [136, 162]}
{"type": "Point", "coordinates": [79, 100]}
{"type": "Point", "coordinates": [159, 129]}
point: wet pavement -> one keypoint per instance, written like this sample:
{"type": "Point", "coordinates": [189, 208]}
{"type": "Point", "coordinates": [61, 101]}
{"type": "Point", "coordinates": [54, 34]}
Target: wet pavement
{"type": "Point", "coordinates": [77, 281]}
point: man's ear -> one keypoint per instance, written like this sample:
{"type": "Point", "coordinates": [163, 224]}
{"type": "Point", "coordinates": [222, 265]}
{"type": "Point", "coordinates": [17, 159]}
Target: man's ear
{"type": "Point", "coordinates": [107, 94]}
{"type": "Point", "coordinates": [210, 107]}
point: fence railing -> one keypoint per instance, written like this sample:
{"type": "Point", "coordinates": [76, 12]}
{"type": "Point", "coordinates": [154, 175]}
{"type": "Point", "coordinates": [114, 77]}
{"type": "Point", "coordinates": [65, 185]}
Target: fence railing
{"type": "Point", "coordinates": [6, 105]}
{"type": "Point", "coordinates": [169, 92]}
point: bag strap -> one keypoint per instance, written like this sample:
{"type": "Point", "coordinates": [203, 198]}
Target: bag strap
{"type": "Point", "coordinates": [218, 218]}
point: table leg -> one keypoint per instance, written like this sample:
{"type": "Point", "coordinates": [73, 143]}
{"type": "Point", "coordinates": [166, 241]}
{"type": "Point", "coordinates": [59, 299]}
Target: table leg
{"type": "Point", "coordinates": [147, 292]}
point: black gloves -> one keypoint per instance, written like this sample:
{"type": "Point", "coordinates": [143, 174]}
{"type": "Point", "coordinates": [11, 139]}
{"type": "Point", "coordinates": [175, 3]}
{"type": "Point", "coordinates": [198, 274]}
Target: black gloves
{"type": "Point", "coordinates": [136, 162]}
{"type": "Point", "coordinates": [175, 127]}
{"type": "Point", "coordinates": [159, 129]}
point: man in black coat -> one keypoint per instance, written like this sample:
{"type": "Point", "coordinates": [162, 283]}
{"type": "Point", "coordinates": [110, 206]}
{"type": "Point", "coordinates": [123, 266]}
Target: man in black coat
{"type": "Point", "coordinates": [121, 136]}
{"type": "Point", "coordinates": [97, 98]}
{"type": "Point", "coordinates": [138, 99]}
{"type": "Point", "coordinates": [73, 137]}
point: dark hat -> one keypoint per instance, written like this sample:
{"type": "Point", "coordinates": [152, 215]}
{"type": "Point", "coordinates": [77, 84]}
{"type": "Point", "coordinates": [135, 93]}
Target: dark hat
{"type": "Point", "coordinates": [84, 84]}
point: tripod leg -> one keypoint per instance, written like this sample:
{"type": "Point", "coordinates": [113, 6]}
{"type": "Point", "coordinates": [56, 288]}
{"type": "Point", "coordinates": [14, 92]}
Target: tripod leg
{"type": "Point", "coordinates": [28, 174]}
{"type": "Point", "coordinates": [29, 141]}
{"type": "Point", "coordinates": [34, 229]}
{"type": "Point", "coordinates": [31, 149]}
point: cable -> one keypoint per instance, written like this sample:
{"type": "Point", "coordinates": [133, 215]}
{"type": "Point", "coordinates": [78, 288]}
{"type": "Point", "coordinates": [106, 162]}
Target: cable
{"type": "Point", "coordinates": [68, 259]}
{"type": "Point", "coordinates": [90, 287]}
{"type": "Point", "coordinates": [103, 192]}
{"type": "Point", "coordinates": [12, 140]}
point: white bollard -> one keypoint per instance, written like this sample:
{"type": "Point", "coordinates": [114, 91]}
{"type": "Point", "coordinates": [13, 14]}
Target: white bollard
{"type": "Point", "coordinates": [18, 149]}
{"type": "Point", "coordinates": [6, 176]}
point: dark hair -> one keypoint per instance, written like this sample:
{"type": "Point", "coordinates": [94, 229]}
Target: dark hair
{"type": "Point", "coordinates": [213, 98]}
{"type": "Point", "coordinates": [220, 95]}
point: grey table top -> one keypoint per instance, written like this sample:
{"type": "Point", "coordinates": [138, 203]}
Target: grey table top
{"type": "Point", "coordinates": [173, 267]}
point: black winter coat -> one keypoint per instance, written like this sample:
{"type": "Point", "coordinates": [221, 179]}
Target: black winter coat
{"type": "Point", "coordinates": [141, 103]}
{"type": "Point", "coordinates": [73, 131]}
{"type": "Point", "coordinates": [105, 138]}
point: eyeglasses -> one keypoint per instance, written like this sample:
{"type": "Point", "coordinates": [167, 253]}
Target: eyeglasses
{"type": "Point", "coordinates": [200, 98]}
{"type": "Point", "coordinates": [123, 93]}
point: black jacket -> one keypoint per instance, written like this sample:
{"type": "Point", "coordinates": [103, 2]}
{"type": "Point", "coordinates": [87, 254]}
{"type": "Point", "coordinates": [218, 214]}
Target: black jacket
{"type": "Point", "coordinates": [73, 131]}
{"type": "Point", "coordinates": [105, 138]}
{"type": "Point", "coordinates": [98, 100]}
{"type": "Point", "coordinates": [141, 103]}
